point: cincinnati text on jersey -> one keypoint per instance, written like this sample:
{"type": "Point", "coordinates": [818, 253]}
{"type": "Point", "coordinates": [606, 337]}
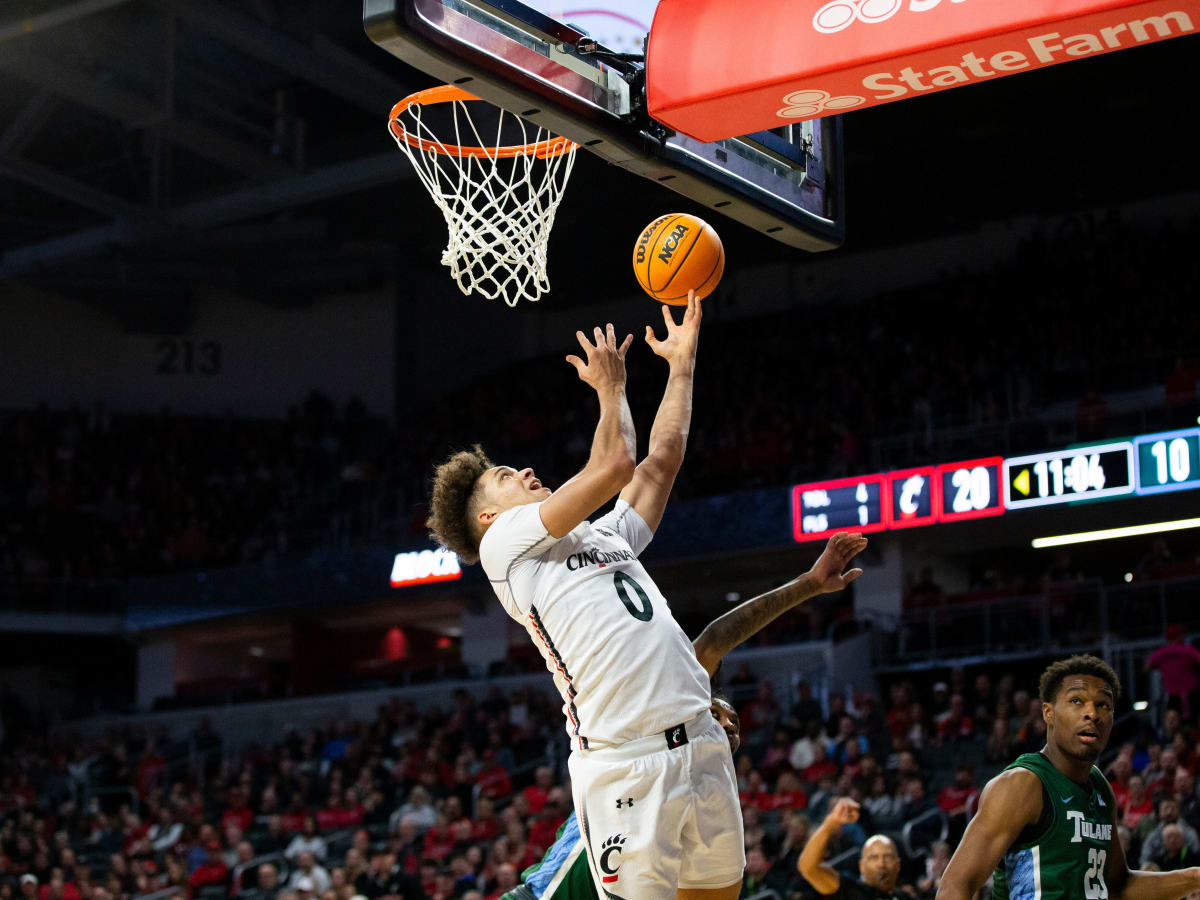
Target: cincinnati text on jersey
{"type": "Point", "coordinates": [597, 558]}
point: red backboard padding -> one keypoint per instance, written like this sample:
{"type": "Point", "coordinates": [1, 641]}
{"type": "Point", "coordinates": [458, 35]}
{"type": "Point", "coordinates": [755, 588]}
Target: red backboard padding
{"type": "Point", "coordinates": [720, 68]}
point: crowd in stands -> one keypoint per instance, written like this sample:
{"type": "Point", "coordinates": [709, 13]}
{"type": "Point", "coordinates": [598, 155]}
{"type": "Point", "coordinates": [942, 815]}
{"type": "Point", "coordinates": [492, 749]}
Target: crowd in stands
{"type": "Point", "coordinates": [89, 494]}
{"type": "Point", "coordinates": [455, 803]}
{"type": "Point", "coordinates": [780, 399]}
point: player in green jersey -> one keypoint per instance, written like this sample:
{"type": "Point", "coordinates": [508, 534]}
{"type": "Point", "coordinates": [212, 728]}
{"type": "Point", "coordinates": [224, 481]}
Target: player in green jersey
{"type": "Point", "coordinates": [562, 874]}
{"type": "Point", "coordinates": [1047, 825]}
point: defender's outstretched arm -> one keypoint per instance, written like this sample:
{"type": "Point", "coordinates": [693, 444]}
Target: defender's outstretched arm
{"type": "Point", "coordinates": [744, 621]}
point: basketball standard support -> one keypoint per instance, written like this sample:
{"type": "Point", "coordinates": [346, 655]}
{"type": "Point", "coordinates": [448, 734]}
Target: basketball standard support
{"type": "Point", "coordinates": [793, 63]}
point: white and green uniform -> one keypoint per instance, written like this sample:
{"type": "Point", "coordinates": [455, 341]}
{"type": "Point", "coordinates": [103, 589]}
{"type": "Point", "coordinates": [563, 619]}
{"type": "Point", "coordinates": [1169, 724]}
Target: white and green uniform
{"type": "Point", "coordinates": [1063, 855]}
{"type": "Point", "coordinates": [562, 874]}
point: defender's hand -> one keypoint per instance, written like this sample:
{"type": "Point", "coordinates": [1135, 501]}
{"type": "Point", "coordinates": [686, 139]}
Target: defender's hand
{"type": "Point", "coordinates": [679, 346]}
{"type": "Point", "coordinates": [827, 572]}
{"type": "Point", "coordinates": [605, 366]}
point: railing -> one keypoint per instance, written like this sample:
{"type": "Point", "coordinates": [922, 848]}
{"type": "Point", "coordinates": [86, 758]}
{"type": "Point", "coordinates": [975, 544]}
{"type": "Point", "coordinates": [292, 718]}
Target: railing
{"type": "Point", "coordinates": [280, 862]}
{"type": "Point", "coordinates": [906, 833]}
{"type": "Point", "coordinates": [1066, 615]}
{"type": "Point", "coordinates": [1127, 412]}
{"type": "Point", "coordinates": [162, 894]}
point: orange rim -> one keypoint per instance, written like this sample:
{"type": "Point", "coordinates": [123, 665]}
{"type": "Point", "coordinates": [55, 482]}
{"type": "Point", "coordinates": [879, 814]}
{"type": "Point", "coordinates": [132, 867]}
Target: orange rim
{"type": "Point", "coordinates": [449, 93]}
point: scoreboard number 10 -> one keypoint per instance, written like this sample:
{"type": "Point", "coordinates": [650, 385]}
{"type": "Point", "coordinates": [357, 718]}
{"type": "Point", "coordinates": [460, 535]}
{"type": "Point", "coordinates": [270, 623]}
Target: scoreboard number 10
{"type": "Point", "coordinates": [1173, 459]}
{"type": "Point", "coordinates": [1169, 461]}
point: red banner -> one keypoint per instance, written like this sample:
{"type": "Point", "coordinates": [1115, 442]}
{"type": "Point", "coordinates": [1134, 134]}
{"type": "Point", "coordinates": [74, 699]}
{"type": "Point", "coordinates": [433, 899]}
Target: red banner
{"type": "Point", "coordinates": [716, 69]}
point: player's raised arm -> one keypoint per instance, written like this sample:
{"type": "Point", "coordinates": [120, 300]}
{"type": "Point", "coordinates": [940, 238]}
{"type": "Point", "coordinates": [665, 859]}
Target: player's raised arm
{"type": "Point", "coordinates": [614, 448]}
{"type": "Point", "coordinates": [1011, 801]}
{"type": "Point", "coordinates": [655, 475]}
{"type": "Point", "coordinates": [744, 621]}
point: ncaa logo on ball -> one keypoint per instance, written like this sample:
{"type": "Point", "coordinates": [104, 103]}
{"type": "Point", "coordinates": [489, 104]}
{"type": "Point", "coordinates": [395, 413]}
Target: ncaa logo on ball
{"type": "Point", "coordinates": [672, 243]}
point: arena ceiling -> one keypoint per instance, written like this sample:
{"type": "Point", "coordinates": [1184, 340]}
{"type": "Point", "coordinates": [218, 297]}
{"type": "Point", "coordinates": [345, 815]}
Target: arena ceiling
{"type": "Point", "coordinates": [150, 146]}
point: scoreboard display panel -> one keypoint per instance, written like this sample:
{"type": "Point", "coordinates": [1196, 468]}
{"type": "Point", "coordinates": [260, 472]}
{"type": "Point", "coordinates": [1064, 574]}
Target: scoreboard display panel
{"type": "Point", "coordinates": [1062, 476]}
{"type": "Point", "coordinates": [992, 486]}
{"type": "Point", "coordinates": [970, 490]}
{"type": "Point", "coordinates": [845, 504]}
{"type": "Point", "coordinates": [915, 497]}
{"type": "Point", "coordinates": [1169, 461]}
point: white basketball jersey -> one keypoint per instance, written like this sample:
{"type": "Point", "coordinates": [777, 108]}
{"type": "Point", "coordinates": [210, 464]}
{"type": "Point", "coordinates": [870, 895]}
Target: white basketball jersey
{"type": "Point", "coordinates": [622, 664]}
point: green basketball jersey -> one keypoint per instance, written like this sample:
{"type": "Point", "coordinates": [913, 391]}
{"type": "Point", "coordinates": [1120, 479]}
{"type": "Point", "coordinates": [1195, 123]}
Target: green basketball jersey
{"type": "Point", "coordinates": [1067, 859]}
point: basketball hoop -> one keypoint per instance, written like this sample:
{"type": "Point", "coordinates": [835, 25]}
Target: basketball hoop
{"type": "Point", "coordinates": [498, 200]}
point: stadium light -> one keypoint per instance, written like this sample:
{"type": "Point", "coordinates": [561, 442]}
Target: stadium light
{"type": "Point", "coordinates": [1139, 705]}
{"type": "Point", "coordinates": [1107, 534]}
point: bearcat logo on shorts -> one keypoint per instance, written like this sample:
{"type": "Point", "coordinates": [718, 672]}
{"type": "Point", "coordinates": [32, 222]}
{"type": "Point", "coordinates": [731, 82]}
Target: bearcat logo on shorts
{"type": "Point", "coordinates": [610, 850]}
{"type": "Point", "coordinates": [672, 242]}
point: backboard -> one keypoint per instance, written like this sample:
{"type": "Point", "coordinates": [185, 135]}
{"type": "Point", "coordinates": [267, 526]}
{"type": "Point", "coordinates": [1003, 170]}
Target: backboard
{"type": "Point", "coordinates": [580, 73]}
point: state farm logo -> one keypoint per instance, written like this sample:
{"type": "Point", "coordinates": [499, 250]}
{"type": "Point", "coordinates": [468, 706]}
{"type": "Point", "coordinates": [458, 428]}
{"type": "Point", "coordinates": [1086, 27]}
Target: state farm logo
{"type": "Point", "coordinates": [804, 104]}
{"type": "Point", "coordinates": [837, 15]}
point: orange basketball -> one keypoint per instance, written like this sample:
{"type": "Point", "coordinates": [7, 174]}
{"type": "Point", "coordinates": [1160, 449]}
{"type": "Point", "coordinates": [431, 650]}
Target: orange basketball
{"type": "Point", "coordinates": [675, 254]}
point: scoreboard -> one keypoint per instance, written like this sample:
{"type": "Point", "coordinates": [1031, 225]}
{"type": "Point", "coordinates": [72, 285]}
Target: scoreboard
{"type": "Point", "coordinates": [1149, 464]}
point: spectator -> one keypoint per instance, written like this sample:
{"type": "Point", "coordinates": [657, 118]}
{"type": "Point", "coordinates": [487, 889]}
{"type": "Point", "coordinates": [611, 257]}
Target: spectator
{"type": "Point", "coordinates": [213, 871]}
{"type": "Point", "coordinates": [1168, 814]}
{"type": "Point", "coordinates": [246, 879]}
{"type": "Point", "coordinates": [165, 832]}
{"type": "Point", "coordinates": [821, 766]}
{"type": "Point", "coordinates": [308, 870]}
{"type": "Point", "coordinates": [755, 875]}
{"type": "Point", "coordinates": [537, 793]}
{"type": "Point", "coordinates": [954, 724]}
{"type": "Point", "coordinates": [238, 812]}
{"type": "Point", "coordinates": [267, 878]}
{"type": "Point", "coordinates": [1175, 853]}
{"type": "Point", "coordinates": [1179, 664]}
{"type": "Point", "coordinates": [801, 755]}
{"type": "Point", "coordinates": [1138, 805]}
{"type": "Point", "coordinates": [957, 800]}
{"type": "Point", "coordinates": [505, 880]}
{"type": "Point", "coordinates": [882, 806]}
{"type": "Point", "coordinates": [935, 868]}
{"type": "Point", "coordinates": [916, 803]}
{"type": "Point", "coordinates": [308, 841]}
{"type": "Point", "coordinates": [999, 746]}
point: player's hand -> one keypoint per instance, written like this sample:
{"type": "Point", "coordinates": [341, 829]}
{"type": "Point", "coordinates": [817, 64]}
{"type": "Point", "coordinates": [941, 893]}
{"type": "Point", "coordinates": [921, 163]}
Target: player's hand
{"type": "Point", "coordinates": [605, 366]}
{"type": "Point", "coordinates": [828, 572]}
{"type": "Point", "coordinates": [679, 346]}
{"type": "Point", "coordinates": [844, 812]}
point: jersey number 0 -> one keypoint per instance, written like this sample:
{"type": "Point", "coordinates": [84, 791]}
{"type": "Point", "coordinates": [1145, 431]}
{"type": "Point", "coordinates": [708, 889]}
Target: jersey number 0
{"type": "Point", "coordinates": [643, 614]}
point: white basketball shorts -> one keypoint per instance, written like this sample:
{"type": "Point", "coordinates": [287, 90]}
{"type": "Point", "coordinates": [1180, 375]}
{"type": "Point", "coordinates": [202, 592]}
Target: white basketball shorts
{"type": "Point", "coordinates": [661, 813]}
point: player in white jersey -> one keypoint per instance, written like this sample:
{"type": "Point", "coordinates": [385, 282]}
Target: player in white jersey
{"type": "Point", "coordinates": [651, 771]}
{"type": "Point", "coordinates": [636, 700]}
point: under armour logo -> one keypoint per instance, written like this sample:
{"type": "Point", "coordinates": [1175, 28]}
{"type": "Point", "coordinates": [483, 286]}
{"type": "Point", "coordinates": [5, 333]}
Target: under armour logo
{"type": "Point", "coordinates": [813, 102]}
{"type": "Point", "coordinates": [628, 802]}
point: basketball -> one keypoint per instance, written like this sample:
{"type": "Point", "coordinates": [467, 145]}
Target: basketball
{"type": "Point", "coordinates": [677, 253]}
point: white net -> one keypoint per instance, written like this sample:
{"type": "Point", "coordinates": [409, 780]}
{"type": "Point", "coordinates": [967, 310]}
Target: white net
{"type": "Point", "coordinates": [498, 202]}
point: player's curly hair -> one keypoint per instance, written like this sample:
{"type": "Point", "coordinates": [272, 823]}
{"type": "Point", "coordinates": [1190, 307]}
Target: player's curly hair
{"type": "Point", "coordinates": [1083, 664]}
{"type": "Point", "coordinates": [451, 506]}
